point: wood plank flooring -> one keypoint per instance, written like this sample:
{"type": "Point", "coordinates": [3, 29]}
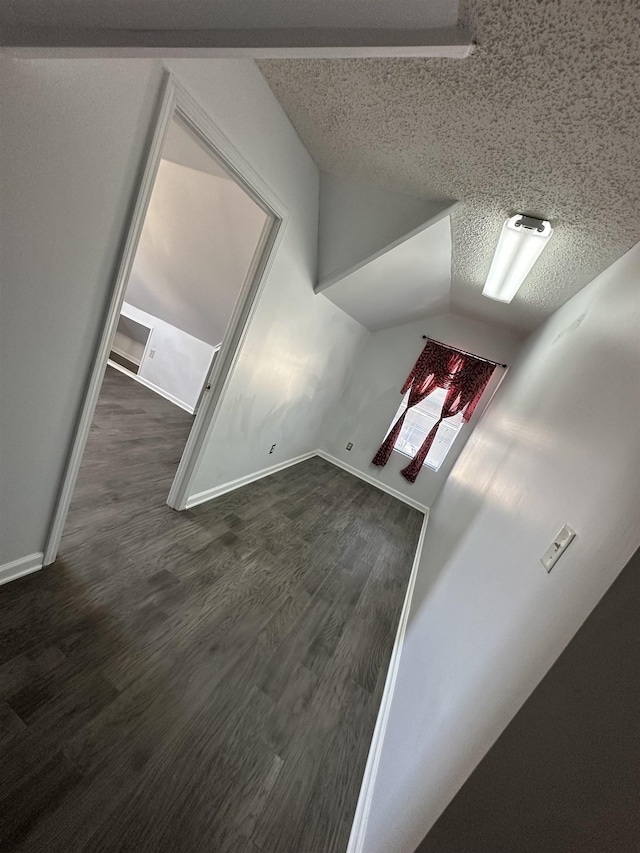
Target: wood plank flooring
{"type": "Point", "coordinates": [197, 682]}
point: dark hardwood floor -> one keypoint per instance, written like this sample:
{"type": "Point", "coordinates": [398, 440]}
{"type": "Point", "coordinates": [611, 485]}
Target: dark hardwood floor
{"type": "Point", "coordinates": [200, 681]}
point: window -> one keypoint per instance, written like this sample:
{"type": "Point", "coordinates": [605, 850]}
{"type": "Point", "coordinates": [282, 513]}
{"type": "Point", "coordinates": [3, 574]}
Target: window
{"type": "Point", "coordinates": [418, 423]}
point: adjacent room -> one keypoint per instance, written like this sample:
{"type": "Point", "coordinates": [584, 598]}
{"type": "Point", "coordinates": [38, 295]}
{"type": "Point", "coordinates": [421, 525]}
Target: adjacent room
{"type": "Point", "coordinates": [320, 469]}
{"type": "Point", "coordinates": [200, 235]}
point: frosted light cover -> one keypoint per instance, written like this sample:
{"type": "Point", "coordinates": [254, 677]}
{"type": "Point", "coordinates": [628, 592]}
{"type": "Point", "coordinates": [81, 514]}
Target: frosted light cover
{"type": "Point", "coordinates": [517, 251]}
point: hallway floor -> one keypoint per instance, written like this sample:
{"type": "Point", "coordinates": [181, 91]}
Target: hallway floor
{"type": "Point", "coordinates": [200, 681]}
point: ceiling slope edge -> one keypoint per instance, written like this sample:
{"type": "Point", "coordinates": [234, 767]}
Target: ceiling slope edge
{"type": "Point", "coordinates": [408, 280]}
{"type": "Point", "coordinates": [230, 28]}
{"type": "Point", "coordinates": [258, 43]}
{"type": "Point", "coordinates": [359, 222]}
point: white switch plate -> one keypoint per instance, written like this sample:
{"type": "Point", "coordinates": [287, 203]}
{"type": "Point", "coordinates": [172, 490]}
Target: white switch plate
{"type": "Point", "coordinates": [557, 547]}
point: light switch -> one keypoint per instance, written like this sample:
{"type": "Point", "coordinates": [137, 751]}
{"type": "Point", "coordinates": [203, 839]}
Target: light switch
{"type": "Point", "coordinates": [557, 547]}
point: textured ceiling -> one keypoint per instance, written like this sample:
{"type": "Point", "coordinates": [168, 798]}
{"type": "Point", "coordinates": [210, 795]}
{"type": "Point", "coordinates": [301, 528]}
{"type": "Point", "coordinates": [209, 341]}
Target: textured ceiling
{"type": "Point", "coordinates": [543, 118]}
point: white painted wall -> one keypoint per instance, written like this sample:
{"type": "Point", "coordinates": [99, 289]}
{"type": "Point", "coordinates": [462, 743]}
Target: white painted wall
{"type": "Point", "coordinates": [180, 362]}
{"type": "Point", "coordinates": [198, 241]}
{"type": "Point", "coordinates": [486, 620]}
{"type": "Point", "coordinates": [371, 398]}
{"type": "Point", "coordinates": [300, 347]}
{"type": "Point", "coordinates": [73, 136]}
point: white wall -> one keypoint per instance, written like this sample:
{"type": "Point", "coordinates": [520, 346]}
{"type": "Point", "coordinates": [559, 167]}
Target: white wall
{"type": "Point", "coordinates": [180, 362]}
{"type": "Point", "coordinates": [199, 238]}
{"type": "Point", "coordinates": [487, 621]}
{"type": "Point", "coordinates": [300, 347]}
{"type": "Point", "coordinates": [73, 136]}
{"type": "Point", "coordinates": [371, 398]}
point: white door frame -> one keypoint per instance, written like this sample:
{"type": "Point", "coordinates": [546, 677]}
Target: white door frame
{"type": "Point", "coordinates": [175, 100]}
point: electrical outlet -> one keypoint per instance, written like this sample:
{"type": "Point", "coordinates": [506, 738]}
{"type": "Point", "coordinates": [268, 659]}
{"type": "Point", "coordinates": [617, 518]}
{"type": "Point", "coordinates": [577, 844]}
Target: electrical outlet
{"type": "Point", "coordinates": [152, 352]}
{"type": "Point", "coordinates": [350, 445]}
{"type": "Point", "coordinates": [557, 547]}
{"type": "Point", "coordinates": [273, 447]}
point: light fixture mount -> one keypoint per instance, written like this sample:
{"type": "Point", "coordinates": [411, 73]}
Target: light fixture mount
{"type": "Point", "coordinates": [530, 222]}
{"type": "Point", "coordinates": [521, 242]}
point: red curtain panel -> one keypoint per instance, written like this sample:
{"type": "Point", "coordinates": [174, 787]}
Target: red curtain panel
{"type": "Point", "coordinates": [464, 377]}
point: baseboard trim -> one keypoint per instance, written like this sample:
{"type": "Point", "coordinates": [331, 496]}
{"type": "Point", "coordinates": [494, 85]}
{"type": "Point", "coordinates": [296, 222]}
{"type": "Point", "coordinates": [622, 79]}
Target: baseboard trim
{"type": "Point", "coordinates": [372, 480]}
{"type": "Point", "coordinates": [18, 568]}
{"type": "Point", "coordinates": [217, 491]}
{"type": "Point", "coordinates": [363, 808]}
{"type": "Point", "coordinates": [170, 397]}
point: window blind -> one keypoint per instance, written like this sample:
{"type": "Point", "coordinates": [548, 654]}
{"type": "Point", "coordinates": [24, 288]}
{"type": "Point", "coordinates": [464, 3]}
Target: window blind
{"type": "Point", "coordinates": [418, 423]}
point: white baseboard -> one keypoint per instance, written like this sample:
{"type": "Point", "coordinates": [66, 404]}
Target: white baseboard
{"type": "Point", "coordinates": [24, 566]}
{"type": "Point", "coordinates": [216, 491]}
{"type": "Point", "coordinates": [377, 483]}
{"type": "Point", "coordinates": [361, 818]}
{"type": "Point", "coordinates": [151, 386]}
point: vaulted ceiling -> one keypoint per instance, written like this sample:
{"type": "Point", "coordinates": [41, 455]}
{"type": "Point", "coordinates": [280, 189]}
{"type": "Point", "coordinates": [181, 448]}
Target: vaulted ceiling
{"type": "Point", "coordinates": [543, 118]}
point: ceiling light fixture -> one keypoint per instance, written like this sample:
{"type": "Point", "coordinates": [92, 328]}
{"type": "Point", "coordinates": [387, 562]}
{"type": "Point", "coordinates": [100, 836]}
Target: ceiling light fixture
{"type": "Point", "coordinates": [521, 242]}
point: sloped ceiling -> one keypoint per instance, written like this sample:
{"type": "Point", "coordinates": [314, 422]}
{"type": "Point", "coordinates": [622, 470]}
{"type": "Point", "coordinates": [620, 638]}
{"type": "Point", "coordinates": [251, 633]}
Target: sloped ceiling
{"type": "Point", "coordinates": [543, 118]}
{"type": "Point", "coordinates": [358, 221]}
{"type": "Point", "coordinates": [409, 281]}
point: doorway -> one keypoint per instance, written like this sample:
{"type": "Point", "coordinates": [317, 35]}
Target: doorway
{"type": "Point", "coordinates": [201, 238]}
{"type": "Point", "coordinates": [200, 234]}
